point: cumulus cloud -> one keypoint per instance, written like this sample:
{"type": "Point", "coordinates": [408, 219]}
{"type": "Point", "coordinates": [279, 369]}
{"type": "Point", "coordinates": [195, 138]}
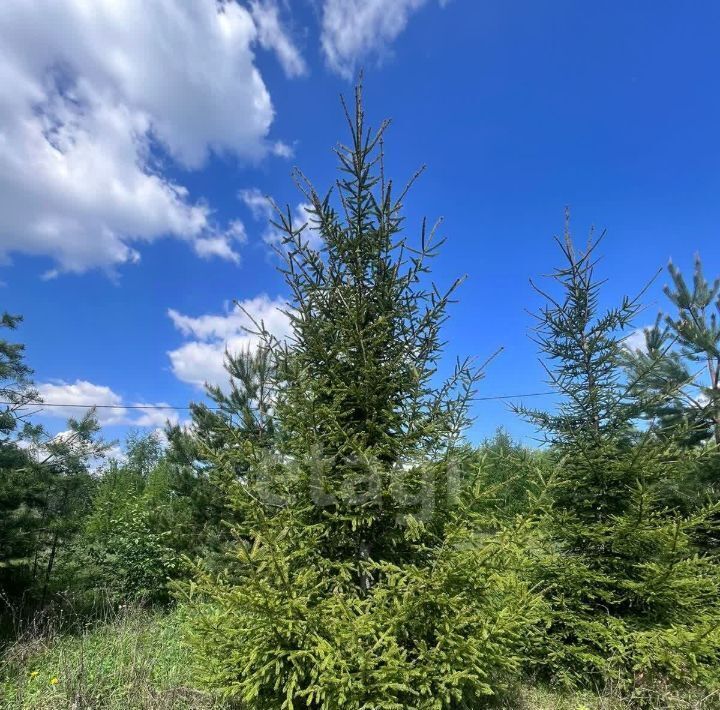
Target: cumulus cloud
{"type": "Point", "coordinates": [222, 245]}
{"type": "Point", "coordinates": [155, 417]}
{"type": "Point", "coordinates": [95, 93]}
{"type": "Point", "coordinates": [354, 30]}
{"type": "Point", "coordinates": [67, 399]}
{"type": "Point", "coordinates": [74, 399]}
{"type": "Point", "coordinates": [272, 35]}
{"type": "Point", "coordinates": [200, 360]}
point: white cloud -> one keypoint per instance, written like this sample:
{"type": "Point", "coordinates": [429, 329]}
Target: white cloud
{"type": "Point", "coordinates": [155, 416]}
{"type": "Point", "coordinates": [258, 204]}
{"type": "Point", "coordinates": [74, 399]}
{"type": "Point", "coordinates": [282, 150]}
{"type": "Point", "coordinates": [116, 453]}
{"type": "Point", "coordinates": [272, 35]}
{"type": "Point", "coordinates": [636, 340]}
{"type": "Point", "coordinates": [201, 359]}
{"type": "Point", "coordinates": [91, 89]}
{"type": "Point", "coordinates": [353, 30]}
{"type": "Point", "coordinates": [68, 398]}
{"type": "Point", "coordinates": [221, 245]}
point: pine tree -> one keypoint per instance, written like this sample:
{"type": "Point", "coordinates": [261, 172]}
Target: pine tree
{"type": "Point", "coordinates": [681, 359]}
{"type": "Point", "coordinates": [45, 483]}
{"type": "Point", "coordinates": [20, 489]}
{"type": "Point", "coordinates": [16, 388]}
{"type": "Point", "coordinates": [359, 578]}
{"type": "Point", "coordinates": [63, 464]}
{"type": "Point", "coordinates": [662, 384]}
{"type": "Point", "coordinates": [697, 330]}
{"type": "Point", "coordinates": [633, 599]}
{"type": "Point", "coordinates": [239, 422]}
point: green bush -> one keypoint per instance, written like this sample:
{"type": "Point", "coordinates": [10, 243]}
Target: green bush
{"type": "Point", "coordinates": [132, 561]}
{"type": "Point", "coordinates": [451, 632]}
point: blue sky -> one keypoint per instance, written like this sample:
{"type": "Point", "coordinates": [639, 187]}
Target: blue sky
{"type": "Point", "coordinates": [134, 137]}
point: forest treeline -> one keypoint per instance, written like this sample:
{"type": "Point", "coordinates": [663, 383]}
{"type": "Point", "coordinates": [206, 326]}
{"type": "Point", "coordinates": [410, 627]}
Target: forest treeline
{"type": "Point", "coordinates": [333, 538]}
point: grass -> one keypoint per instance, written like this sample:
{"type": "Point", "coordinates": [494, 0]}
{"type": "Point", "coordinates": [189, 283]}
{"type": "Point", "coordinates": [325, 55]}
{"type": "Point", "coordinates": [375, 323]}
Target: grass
{"type": "Point", "coordinates": [133, 659]}
{"type": "Point", "coordinates": [539, 698]}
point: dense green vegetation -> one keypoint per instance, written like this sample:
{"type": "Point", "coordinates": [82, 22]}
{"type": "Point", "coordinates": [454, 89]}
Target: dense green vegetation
{"type": "Point", "coordinates": [325, 536]}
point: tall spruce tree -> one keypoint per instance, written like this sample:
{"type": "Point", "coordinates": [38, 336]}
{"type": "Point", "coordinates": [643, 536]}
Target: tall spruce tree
{"type": "Point", "coordinates": [633, 598]}
{"type": "Point", "coordinates": [357, 381]}
{"type": "Point", "coordinates": [359, 578]}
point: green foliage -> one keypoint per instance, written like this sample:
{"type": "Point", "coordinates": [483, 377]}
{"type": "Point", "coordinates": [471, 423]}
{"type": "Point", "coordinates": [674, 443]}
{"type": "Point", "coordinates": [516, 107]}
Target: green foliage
{"type": "Point", "coordinates": [678, 371]}
{"type": "Point", "coordinates": [133, 561]}
{"type": "Point", "coordinates": [336, 541]}
{"type": "Point", "coordinates": [363, 571]}
{"type": "Point", "coordinates": [134, 658]}
{"type": "Point", "coordinates": [21, 491]}
{"type": "Point", "coordinates": [450, 631]}
{"type": "Point", "coordinates": [45, 483]}
{"type": "Point", "coordinates": [661, 381]}
{"type": "Point", "coordinates": [696, 328]}
{"type": "Point", "coordinates": [633, 598]}
{"type": "Point", "coordinates": [356, 383]}
{"type": "Point", "coordinates": [240, 424]}
{"type": "Point", "coordinates": [15, 384]}
{"type": "Point", "coordinates": [128, 548]}
{"type": "Point", "coordinates": [509, 474]}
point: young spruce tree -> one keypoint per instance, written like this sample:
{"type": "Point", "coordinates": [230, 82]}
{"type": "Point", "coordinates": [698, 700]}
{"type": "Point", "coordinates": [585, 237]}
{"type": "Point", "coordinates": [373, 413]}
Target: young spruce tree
{"type": "Point", "coordinates": [633, 599]}
{"type": "Point", "coordinates": [359, 577]}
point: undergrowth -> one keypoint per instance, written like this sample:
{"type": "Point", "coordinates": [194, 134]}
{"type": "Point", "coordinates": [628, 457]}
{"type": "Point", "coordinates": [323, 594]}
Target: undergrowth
{"type": "Point", "coordinates": [130, 658]}
{"type": "Point", "coordinates": [133, 659]}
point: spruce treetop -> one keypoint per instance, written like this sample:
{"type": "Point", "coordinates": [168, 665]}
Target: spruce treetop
{"type": "Point", "coordinates": [366, 343]}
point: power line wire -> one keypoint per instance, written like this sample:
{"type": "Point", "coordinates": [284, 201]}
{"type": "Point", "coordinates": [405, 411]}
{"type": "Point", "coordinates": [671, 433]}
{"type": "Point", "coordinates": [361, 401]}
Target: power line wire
{"type": "Point", "coordinates": [513, 396]}
{"type": "Point", "coordinates": [102, 406]}
{"type": "Point", "coordinates": [187, 407]}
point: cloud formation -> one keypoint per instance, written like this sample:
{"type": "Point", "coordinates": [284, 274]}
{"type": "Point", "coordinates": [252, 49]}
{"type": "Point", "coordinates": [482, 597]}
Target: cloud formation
{"type": "Point", "coordinates": [200, 360]}
{"type": "Point", "coordinates": [74, 399]}
{"type": "Point", "coordinates": [95, 93]}
{"type": "Point", "coordinates": [356, 30]}
{"type": "Point", "coordinates": [272, 36]}
{"type": "Point", "coordinates": [636, 340]}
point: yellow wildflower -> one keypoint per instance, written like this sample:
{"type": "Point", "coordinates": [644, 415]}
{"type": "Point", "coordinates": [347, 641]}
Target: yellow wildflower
{"type": "Point", "coordinates": [34, 673]}
{"type": "Point", "coordinates": [54, 681]}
